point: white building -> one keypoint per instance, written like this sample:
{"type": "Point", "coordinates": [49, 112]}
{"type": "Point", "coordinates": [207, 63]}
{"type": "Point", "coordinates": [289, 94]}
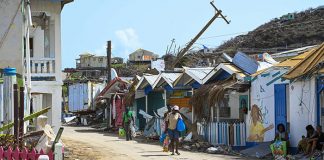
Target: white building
{"type": "Point", "coordinates": [289, 93]}
{"type": "Point", "coordinates": [40, 62]}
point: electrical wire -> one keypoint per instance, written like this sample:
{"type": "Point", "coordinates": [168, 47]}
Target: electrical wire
{"type": "Point", "coordinates": [275, 27]}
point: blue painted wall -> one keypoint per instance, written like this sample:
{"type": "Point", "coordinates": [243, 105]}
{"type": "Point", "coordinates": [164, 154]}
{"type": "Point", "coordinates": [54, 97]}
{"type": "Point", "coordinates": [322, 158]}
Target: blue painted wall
{"type": "Point", "coordinates": [155, 101]}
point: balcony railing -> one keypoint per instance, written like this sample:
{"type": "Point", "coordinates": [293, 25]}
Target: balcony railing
{"type": "Point", "coordinates": [42, 67]}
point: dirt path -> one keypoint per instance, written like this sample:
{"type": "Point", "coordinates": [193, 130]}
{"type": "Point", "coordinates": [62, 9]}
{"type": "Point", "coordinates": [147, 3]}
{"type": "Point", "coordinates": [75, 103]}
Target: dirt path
{"type": "Point", "coordinates": [85, 143]}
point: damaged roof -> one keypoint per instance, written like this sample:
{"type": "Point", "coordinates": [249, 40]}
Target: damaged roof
{"type": "Point", "coordinates": [229, 68]}
{"type": "Point", "coordinates": [193, 74]}
{"type": "Point", "coordinates": [112, 87]}
{"type": "Point", "coordinates": [312, 62]}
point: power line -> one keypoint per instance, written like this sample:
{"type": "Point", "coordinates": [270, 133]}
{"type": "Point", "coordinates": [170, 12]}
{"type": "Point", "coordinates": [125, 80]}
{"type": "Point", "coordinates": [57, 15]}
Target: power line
{"type": "Point", "coordinates": [237, 33]}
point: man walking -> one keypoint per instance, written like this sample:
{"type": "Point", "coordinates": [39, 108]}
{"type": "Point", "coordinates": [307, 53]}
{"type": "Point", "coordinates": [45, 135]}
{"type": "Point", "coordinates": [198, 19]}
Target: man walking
{"type": "Point", "coordinates": [128, 119]}
{"type": "Point", "coordinates": [172, 120]}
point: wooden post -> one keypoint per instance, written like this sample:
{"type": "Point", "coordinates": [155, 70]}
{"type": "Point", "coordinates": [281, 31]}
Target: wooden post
{"type": "Point", "coordinates": [16, 114]}
{"type": "Point", "coordinates": [217, 110]}
{"type": "Point", "coordinates": [21, 112]}
{"type": "Point", "coordinates": [192, 110]}
{"type": "Point", "coordinates": [108, 62]}
{"type": "Point", "coordinates": [211, 113]}
{"type": "Point", "coordinates": [146, 105]}
{"type": "Point", "coordinates": [110, 112]}
{"type": "Point", "coordinates": [165, 98]}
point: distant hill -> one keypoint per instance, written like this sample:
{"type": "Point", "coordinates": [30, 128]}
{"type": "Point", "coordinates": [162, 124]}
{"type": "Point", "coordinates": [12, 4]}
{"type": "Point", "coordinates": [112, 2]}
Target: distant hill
{"type": "Point", "coordinates": [289, 31]}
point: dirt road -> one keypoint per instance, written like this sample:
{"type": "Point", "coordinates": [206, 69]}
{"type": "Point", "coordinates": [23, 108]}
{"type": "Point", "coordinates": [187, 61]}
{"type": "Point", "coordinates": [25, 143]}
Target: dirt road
{"type": "Point", "coordinates": [85, 143]}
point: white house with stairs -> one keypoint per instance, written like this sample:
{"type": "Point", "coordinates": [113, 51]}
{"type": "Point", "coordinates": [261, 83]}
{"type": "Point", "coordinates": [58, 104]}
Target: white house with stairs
{"type": "Point", "coordinates": [40, 62]}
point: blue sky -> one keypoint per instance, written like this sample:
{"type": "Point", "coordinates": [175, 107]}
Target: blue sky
{"type": "Point", "coordinates": [151, 24]}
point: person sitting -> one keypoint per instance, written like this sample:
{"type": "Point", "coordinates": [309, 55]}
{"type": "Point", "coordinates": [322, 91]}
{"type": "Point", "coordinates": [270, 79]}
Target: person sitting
{"type": "Point", "coordinates": [315, 141]}
{"type": "Point", "coordinates": [281, 135]}
{"type": "Point", "coordinates": [303, 143]}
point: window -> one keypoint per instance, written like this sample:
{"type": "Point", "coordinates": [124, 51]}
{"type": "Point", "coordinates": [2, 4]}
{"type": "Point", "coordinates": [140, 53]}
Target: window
{"type": "Point", "coordinates": [100, 59]}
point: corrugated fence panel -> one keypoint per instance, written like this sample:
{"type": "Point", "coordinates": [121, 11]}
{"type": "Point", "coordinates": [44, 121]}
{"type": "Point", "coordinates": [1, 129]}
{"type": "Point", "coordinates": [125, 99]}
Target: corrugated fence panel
{"type": "Point", "coordinates": [221, 133]}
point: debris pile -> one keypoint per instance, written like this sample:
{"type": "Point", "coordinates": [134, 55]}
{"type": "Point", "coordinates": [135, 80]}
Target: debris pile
{"type": "Point", "coordinates": [196, 146]}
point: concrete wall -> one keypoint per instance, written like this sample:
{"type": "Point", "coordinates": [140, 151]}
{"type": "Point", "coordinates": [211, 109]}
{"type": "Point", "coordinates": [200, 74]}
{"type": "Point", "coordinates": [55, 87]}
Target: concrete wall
{"type": "Point", "coordinates": [11, 35]}
{"type": "Point", "coordinates": [262, 94]}
{"type": "Point", "coordinates": [55, 90]}
{"type": "Point", "coordinates": [303, 108]}
{"type": "Point", "coordinates": [38, 42]}
{"type": "Point", "coordinates": [301, 104]}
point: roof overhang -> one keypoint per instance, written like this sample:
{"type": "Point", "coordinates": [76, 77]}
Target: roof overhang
{"type": "Point", "coordinates": [146, 80]}
{"type": "Point", "coordinates": [64, 2]}
{"type": "Point", "coordinates": [227, 67]}
{"type": "Point", "coordinates": [166, 79]}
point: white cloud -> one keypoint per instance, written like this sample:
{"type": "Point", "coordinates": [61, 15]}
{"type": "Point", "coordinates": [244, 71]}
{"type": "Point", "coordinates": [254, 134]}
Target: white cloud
{"type": "Point", "coordinates": [128, 38]}
{"type": "Point", "coordinates": [102, 51]}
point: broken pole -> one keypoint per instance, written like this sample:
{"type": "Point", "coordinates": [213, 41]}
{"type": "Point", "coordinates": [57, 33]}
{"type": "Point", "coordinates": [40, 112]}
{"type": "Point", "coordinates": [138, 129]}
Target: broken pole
{"type": "Point", "coordinates": [186, 49]}
{"type": "Point", "coordinates": [16, 114]}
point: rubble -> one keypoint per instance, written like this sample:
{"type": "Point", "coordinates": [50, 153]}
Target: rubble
{"type": "Point", "coordinates": [196, 146]}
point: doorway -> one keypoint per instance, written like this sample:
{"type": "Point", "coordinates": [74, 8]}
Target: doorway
{"type": "Point", "coordinates": [280, 104]}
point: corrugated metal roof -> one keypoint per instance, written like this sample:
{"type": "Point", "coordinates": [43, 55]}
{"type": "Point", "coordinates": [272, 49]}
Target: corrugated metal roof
{"type": "Point", "coordinates": [294, 61]}
{"type": "Point", "coordinates": [198, 74]}
{"type": "Point", "coordinates": [169, 78]}
{"type": "Point", "coordinates": [287, 63]}
{"type": "Point", "coordinates": [146, 80]}
{"type": "Point", "coordinates": [229, 68]}
{"type": "Point", "coordinates": [151, 79]}
{"type": "Point", "coordinates": [293, 52]}
{"type": "Point", "coordinates": [308, 64]}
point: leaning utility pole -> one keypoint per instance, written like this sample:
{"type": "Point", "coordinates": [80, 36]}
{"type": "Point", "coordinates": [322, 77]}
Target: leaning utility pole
{"type": "Point", "coordinates": [183, 51]}
{"type": "Point", "coordinates": [108, 62]}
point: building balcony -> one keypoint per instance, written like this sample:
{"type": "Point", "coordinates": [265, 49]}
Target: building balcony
{"type": "Point", "coordinates": [42, 69]}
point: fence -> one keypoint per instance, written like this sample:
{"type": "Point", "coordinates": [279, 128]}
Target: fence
{"type": "Point", "coordinates": [222, 133]}
{"type": "Point", "coordinates": [9, 154]}
{"type": "Point", "coordinates": [25, 154]}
